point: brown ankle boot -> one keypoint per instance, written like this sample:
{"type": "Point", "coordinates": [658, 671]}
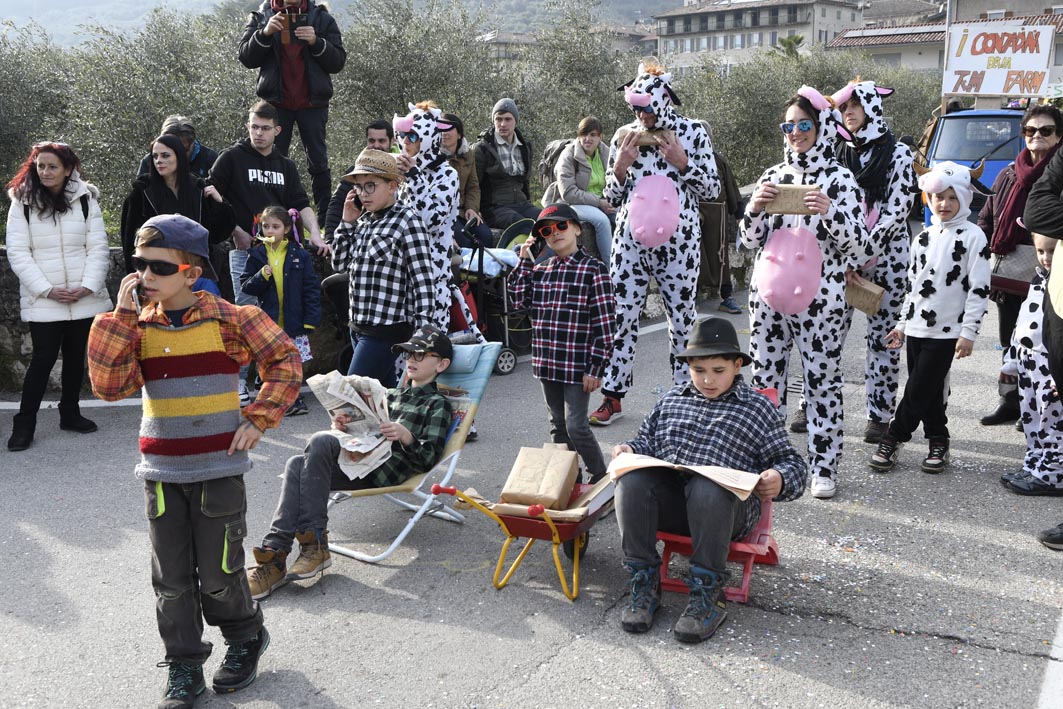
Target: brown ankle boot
{"type": "Point", "coordinates": [314, 555]}
{"type": "Point", "coordinates": [270, 573]}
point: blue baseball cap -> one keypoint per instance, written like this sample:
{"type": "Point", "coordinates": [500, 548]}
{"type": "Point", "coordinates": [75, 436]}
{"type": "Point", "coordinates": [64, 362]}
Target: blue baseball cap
{"type": "Point", "coordinates": [181, 233]}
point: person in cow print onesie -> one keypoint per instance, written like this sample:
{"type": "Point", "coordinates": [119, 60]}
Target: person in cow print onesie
{"type": "Point", "coordinates": [797, 294]}
{"type": "Point", "coordinates": [1044, 215]}
{"type": "Point", "coordinates": [431, 189]}
{"type": "Point", "coordinates": [883, 169]}
{"type": "Point", "coordinates": [660, 166]}
{"type": "Point", "coordinates": [948, 293]}
{"type": "Point", "coordinates": [1041, 410]}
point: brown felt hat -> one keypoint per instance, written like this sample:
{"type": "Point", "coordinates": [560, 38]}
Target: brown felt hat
{"type": "Point", "coordinates": [376, 163]}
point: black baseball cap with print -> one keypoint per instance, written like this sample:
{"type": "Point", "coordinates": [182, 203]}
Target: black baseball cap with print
{"type": "Point", "coordinates": [427, 339]}
{"type": "Point", "coordinates": [557, 212]}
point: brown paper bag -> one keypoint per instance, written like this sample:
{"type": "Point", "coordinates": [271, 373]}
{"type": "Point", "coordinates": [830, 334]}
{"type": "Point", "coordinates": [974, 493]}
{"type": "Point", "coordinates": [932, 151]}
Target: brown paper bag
{"type": "Point", "coordinates": [864, 295]}
{"type": "Point", "coordinates": [541, 476]}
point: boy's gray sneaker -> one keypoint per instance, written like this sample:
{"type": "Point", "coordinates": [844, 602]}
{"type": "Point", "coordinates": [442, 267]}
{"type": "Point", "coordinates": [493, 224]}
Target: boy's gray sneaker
{"type": "Point", "coordinates": [184, 684]}
{"type": "Point", "coordinates": [707, 608]}
{"type": "Point", "coordinates": [644, 599]}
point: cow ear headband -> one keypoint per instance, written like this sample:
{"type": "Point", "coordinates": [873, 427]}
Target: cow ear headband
{"type": "Point", "coordinates": [825, 104]}
{"type": "Point", "coordinates": [975, 170]}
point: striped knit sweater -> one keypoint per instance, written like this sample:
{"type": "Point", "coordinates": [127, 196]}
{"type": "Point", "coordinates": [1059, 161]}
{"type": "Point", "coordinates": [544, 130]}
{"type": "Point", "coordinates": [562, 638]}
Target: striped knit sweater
{"type": "Point", "coordinates": [191, 405]}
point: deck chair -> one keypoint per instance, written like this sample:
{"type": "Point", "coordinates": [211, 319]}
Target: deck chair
{"type": "Point", "coordinates": [757, 547]}
{"type": "Point", "coordinates": [469, 370]}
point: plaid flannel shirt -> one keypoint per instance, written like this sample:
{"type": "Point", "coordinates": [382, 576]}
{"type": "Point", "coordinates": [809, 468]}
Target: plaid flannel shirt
{"type": "Point", "coordinates": [388, 255]}
{"type": "Point", "coordinates": [246, 331]}
{"type": "Point", "coordinates": [572, 311]}
{"type": "Point", "coordinates": [426, 413]}
{"type": "Point", "coordinates": [739, 429]}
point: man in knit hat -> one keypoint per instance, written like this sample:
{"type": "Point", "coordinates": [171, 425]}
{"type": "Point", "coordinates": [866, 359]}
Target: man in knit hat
{"type": "Point", "coordinates": [503, 166]}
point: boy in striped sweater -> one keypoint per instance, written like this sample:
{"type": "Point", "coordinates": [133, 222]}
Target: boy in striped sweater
{"type": "Point", "coordinates": [185, 349]}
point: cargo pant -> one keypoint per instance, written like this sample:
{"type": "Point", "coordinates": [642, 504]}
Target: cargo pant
{"type": "Point", "coordinates": [197, 535]}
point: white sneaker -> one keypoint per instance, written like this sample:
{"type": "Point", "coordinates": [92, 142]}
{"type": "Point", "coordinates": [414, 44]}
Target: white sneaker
{"type": "Point", "coordinates": [245, 395]}
{"type": "Point", "coordinates": [823, 487]}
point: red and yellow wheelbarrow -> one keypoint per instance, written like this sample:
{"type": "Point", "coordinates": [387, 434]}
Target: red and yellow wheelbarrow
{"type": "Point", "coordinates": [571, 536]}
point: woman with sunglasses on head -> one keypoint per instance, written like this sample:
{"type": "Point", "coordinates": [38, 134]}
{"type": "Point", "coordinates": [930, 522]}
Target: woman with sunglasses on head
{"type": "Point", "coordinates": [797, 296]}
{"type": "Point", "coordinates": [1042, 128]}
{"type": "Point", "coordinates": [169, 187]}
{"type": "Point", "coordinates": [57, 247]}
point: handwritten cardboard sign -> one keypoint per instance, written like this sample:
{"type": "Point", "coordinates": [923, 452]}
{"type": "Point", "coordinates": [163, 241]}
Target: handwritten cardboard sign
{"type": "Point", "coordinates": [791, 200]}
{"type": "Point", "coordinates": [1004, 58]}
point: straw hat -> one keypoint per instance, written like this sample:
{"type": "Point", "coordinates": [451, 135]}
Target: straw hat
{"type": "Point", "coordinates": [376, 163]}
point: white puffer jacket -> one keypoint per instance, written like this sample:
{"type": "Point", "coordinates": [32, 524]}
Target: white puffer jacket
{"type": "Point", "coordinates": [69, 251]}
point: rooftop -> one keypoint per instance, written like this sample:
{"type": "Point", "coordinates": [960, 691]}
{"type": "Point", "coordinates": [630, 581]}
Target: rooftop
{"type": "Point", "coordinates": [927, 33]}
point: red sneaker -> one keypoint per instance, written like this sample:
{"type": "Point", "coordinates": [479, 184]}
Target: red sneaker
{"type": "Point", "coordinates": [608, 412]}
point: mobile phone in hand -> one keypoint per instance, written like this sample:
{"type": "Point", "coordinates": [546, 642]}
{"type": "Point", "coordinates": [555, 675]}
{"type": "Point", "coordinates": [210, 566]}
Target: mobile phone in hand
{"type": "Point", "coordinates": [136, 293]}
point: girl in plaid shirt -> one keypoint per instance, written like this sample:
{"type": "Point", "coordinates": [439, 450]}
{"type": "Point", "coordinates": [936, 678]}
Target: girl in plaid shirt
{"type": "Point", "coordinates": [570, 298]}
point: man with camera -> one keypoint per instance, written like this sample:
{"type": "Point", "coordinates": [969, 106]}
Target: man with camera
{"type": "Point", "coordinates": [296, 45]}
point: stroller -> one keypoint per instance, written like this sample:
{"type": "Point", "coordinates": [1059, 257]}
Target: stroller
{"type": "Point", "coordinates": [485, 270]}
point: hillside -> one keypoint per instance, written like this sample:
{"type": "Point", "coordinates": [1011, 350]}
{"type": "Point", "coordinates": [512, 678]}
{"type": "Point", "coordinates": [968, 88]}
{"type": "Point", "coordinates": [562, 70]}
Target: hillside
{"type": "Point", "coordinates": [62, 18]}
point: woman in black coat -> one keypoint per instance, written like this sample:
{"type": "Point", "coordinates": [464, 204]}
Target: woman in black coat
{"type": "Point", "coordinates": [170, 188]}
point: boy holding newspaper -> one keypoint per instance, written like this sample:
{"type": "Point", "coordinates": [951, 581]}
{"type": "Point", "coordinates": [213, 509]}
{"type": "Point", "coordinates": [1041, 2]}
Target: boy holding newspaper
{"type": "Point", "coordinates": [411, 423]}
{"type": "Point", "coordinates": [715, 420]}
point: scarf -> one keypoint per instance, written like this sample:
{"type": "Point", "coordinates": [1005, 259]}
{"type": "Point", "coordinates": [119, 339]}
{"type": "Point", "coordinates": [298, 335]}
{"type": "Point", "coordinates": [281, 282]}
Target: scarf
{"type": "Point", "coordinates": [1007, 233]}
{"type": "Point", "coordinates": [874, 177]}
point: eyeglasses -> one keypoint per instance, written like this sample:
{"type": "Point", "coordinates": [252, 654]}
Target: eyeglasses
{"type": "Point", "coordinates": [367, 188]}
{"type": "Point", "coordinates": [159, 268]}
{"type": "Point", "coordinates": [642, 109]}
{"type": "Point", "coordinates": [409, 135]}
{"type": "Point", "coordinates": [803, 126]}
{"type": "Point", "coordinates": [546, 230]}
{"type": "Point", "coordinates": [419, 356]}
{"type": "Point", "coordinates": [1031, 131]}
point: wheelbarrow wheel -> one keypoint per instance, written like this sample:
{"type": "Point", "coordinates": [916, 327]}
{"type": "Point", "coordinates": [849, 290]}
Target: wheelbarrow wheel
{"type": "Point", "coordinates": [570, 546]}
{"type": "Point", "coordinates": [506, 362]}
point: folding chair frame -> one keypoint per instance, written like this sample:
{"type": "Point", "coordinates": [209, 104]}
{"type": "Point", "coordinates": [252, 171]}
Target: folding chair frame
{"type": "Point", "coordinates": [429, 503]}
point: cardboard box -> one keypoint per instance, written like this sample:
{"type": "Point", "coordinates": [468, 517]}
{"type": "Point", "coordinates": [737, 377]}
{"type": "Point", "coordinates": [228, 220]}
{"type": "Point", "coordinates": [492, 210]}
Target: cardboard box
{"type": "Point", "coordinates": [541, 476]}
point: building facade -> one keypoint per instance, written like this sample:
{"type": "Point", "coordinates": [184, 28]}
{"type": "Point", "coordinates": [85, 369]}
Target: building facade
{"type": "Point", "coordinates": [734, 29]}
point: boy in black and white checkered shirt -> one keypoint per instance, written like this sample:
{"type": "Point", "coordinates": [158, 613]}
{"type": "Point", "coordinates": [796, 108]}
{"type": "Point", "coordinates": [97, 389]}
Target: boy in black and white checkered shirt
{"type": "Point", "coordinates": [716, 419]}
{"type": "Point", "coordinates": [386, 249]}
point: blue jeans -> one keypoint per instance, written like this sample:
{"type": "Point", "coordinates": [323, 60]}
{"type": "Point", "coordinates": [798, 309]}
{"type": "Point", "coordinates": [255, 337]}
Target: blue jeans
{"type": "Point", "coordinates": [373, 358]}
{"type": "Point", "coordinates": [237, 263]}
{"type": "Point", "coordinates": [603, 228]}
{"type": "Point", "coordinates": [465, 235]}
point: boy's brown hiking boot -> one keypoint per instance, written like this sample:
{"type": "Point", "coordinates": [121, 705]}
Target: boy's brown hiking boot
{"type": "Point", "coordinates": [270, 574]}
{"type": "Point", "coordinates": [314, 556]}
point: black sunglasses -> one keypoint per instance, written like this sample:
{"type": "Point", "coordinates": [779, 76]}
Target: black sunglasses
{"type": "Point", "coordinates": [159, 268]}
{"type": "Point", "coordinates": [1031, 131]}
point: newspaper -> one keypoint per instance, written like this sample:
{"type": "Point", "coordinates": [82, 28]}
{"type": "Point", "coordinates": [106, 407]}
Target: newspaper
{"type": "Point", "coordinates": [364, 402]}
{"type": "Point", "coordinates": [738, 482]}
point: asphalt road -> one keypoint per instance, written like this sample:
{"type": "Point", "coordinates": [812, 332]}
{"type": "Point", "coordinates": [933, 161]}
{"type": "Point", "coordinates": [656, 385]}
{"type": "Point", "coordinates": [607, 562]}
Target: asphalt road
{"type": "Point", "coordinates": [905, 590]}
